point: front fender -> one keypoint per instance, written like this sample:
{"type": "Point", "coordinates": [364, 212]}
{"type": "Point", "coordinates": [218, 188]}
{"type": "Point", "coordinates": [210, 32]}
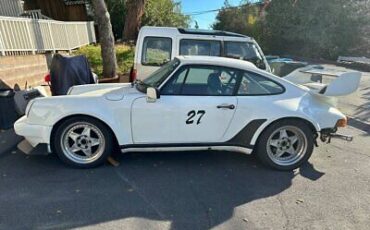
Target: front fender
{"type": "Point", "coordinates": [114, 114]}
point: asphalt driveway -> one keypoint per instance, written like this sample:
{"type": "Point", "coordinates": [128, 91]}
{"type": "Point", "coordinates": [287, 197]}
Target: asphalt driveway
{"type": "Point", "coordinates": [192, 190]}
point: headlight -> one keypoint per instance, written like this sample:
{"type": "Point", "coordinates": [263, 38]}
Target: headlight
{"type": "Point", "coordinates": [29, 106]}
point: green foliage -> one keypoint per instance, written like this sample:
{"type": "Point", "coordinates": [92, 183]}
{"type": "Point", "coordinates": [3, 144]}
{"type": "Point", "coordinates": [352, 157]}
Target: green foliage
{"type": "Point", "coordinates": [116, 10]}
{"type": "Point", "coordinates": [164, 13]}
{"type": "Point", "coordinates": [311, 28]}
{"type": "Point", "coordinates": [125, 58]}
{"type": "Point", "coordinates": [237, 19]}
{"type": "Point", "coordinates": [157, 13]}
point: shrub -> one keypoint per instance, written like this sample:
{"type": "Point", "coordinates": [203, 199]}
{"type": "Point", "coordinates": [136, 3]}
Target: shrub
{"type": "Point", "coordinates": [125, 57]}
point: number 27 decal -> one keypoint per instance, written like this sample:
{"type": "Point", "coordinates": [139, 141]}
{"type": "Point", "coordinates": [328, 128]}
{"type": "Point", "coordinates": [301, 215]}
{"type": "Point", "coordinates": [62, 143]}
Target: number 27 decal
{"type": "Point", "coordinates": [194, 113]}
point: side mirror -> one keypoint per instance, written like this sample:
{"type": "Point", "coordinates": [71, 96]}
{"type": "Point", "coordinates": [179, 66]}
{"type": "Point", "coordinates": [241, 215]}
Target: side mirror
{"type": "Point", "coordinates": [152, 94]}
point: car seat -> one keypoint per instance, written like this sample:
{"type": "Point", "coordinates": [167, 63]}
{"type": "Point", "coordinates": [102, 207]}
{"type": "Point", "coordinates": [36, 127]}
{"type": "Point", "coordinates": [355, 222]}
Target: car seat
{"type": "Point", "coordinates": [214, 84]}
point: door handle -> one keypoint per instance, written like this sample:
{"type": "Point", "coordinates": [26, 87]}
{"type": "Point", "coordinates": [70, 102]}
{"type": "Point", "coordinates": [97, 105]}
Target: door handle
{"type": "Point", "coordinates": [226, 106]}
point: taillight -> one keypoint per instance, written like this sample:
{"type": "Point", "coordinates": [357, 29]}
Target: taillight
{"type": "Point", "coordinates": [133, 75]}
{"type": "Point", "coordinates": [47, 78]}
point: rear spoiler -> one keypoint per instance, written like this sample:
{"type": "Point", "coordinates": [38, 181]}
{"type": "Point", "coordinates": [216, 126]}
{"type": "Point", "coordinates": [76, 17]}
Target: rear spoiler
{"type": "Point", "coordinates": [344, 83]}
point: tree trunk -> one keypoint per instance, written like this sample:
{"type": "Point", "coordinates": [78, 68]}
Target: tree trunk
{"type": "Point", "coordinates": [134, 13]}
{"type": "Point", "coordinates": [106, 39]}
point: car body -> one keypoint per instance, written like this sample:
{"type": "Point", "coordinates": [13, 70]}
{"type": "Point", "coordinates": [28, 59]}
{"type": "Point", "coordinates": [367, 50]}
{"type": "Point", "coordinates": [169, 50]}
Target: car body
{"type": "Point", "coordinates": [191, 103]}
{"type": "Point", "coordinates": [157, 45]}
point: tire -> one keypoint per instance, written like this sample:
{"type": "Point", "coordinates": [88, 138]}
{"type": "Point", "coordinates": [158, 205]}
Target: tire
{"type": "Point", "coordinates": [285, 150]}
{"type": "Point", "coordinates": [83, 142]}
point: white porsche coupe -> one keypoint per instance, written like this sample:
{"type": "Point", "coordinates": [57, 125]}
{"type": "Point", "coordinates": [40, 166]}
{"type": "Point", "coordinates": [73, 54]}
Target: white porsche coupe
{"type": "Point", "coordinates": [191, 103]}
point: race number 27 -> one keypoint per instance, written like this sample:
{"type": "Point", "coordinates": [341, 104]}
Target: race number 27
{"type": "Point", "coordinates": [195, 115]}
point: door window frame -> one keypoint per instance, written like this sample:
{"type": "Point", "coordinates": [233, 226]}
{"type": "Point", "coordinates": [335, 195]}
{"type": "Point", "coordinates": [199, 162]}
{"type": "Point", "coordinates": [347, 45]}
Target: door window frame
{"type": "Point", "coordinates": [188, 66]}
{"type": "Point", "coordinates": [240, 73]}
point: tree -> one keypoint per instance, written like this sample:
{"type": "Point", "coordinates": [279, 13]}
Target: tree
{"type": "Point", "coordinates": [310, 28]}
{"type": "Point", "coordinates": [134, 14]}
{"type": "Point", "coordinates": [106, 38]}
{"type": "Point", "coordinates": [314, 28]}
{"type": "Point", "coordinates": [164, 13]}
{"type": "Point", "coordinates": [117, 11]}
{"type": "Point", "coordinates": [241, 19]}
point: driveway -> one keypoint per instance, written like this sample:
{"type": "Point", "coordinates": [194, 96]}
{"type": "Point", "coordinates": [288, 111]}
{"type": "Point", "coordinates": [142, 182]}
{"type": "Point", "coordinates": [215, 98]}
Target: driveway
{"type": "Point", "coordinates": [192, 190]}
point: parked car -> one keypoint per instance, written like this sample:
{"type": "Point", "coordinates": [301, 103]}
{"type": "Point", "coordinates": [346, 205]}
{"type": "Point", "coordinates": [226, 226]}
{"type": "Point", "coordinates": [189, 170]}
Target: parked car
{"type": "Point", "coordinates": [157, 45]}
{"type": "Point", "coordinates": [191, 103]}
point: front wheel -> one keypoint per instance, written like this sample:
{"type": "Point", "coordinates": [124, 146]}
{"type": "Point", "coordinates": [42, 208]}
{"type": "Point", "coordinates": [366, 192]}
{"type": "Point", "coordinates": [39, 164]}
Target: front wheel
{"type": "Point", "coordinates": [285, 145]}
{"type": "Point", "coordinates": [83, 142]}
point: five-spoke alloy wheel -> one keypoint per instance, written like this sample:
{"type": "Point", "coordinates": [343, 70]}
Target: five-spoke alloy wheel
{"type": "Point", "coordinates": [82, 142]}
{"type": "Point", "coordinates": [285, 145]}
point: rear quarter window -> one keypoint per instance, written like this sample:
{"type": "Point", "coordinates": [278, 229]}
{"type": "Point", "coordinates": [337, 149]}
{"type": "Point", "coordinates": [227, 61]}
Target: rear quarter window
{"type": "Point", "coordinates": [156, 51]}
{"type": "Point", "coordinates": [255, 84]}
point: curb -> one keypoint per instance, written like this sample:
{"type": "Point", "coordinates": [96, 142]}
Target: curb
{"type": "Point", "coordinates": [8, 140]}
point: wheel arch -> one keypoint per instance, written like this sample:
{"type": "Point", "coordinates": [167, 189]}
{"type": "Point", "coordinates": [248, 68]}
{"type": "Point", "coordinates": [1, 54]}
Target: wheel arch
{"type": "Point", "coordinates": [59, 122]}
{"type": "Point", "coordinates": [314, 127]}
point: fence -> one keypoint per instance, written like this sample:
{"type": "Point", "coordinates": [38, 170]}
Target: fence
{"type": "Point", "coordinates": [11, 8]}
{"type": "Point", "coordinates": [23, 35]}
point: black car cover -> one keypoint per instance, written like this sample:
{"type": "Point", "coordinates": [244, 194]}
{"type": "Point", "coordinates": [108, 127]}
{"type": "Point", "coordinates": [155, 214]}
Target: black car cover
{"type": "Point", "coordinates": [69, 71]}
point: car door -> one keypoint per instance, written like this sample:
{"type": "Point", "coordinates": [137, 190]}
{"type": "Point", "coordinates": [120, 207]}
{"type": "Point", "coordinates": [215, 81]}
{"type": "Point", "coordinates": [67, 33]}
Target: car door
{"type": "Point", "coordinates": [195, 106]}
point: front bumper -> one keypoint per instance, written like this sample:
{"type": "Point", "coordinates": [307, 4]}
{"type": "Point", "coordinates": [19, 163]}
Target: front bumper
{"type": "Point", "coordinates": [27, 148]}
{"type": "Point", "coordinates": [34, 134]}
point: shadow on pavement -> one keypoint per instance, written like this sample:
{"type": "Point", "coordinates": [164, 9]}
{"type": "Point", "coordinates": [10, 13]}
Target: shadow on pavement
{"type": "Point", "coordinates": [192, 190]}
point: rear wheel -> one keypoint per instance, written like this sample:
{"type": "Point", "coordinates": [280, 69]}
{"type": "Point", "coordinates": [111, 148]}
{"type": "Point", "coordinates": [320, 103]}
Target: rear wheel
{"type": "Point", "coordinates": [83, 142]}
{"type": "Point", "coordinates": [286, 145]}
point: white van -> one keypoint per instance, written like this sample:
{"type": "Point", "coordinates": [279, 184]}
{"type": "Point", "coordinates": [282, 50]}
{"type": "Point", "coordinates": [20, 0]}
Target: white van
{"type": "Point", "coordinates": [158, 45]}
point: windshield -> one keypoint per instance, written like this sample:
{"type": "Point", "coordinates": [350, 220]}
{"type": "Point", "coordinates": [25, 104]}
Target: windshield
{"type": "Point", "coordinates": [158, 77]}
{"type": "Point", "coordinates": [247, 51]}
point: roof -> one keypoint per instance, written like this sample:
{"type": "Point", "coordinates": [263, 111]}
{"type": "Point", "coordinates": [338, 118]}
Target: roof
{"type": "Point", "coordinates": [171, 31]}
{"type": "Point", "coordinates": [74, 2]}
{"type": "Point", "coordinates": [222, 61]}
{"type": "Point", "coordinates": [209, 32]}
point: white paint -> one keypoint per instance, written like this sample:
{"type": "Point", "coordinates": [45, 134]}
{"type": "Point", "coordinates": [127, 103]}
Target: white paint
{"type": "Point", "coordinates": [39, 35]}
{"type": "Point", "coordinates": [143, 71]}
{"type": "Point", "coordinates": [133, 120]}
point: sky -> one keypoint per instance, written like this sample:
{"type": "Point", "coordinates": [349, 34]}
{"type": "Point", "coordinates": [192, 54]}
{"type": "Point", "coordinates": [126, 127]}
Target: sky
{"type": "Point", "coordinates": [205, 20]}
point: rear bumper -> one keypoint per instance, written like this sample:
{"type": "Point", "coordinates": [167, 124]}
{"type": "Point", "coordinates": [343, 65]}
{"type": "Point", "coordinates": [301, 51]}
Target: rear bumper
{"type": "Point", "coordinates": [34, 134]}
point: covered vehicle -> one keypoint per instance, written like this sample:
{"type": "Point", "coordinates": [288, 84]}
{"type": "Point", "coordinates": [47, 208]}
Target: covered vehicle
{"type": "Point", "coordinates": [69, 71]}
{"type": "Point", "coordinates": [191, 103]}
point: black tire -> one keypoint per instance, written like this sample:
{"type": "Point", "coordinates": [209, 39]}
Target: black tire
{"type": "Point", "coordinates": [103, 152]}
{"type": "Point", "coordinates": [262, 150]}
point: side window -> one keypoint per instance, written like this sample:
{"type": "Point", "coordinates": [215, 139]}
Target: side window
{"type": "Point", "coordinates": [156, 51]}
{"type": "Point", "coordinates": [202, 80]}
{"type": "Point", "coordinates": [173, 86]}
{"type": "Point", "coordinates": [200, 47]}
{"type": "Point", "coordinates": [246, 51]}
{"type": "Point", "coordinates": [254, 84]}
